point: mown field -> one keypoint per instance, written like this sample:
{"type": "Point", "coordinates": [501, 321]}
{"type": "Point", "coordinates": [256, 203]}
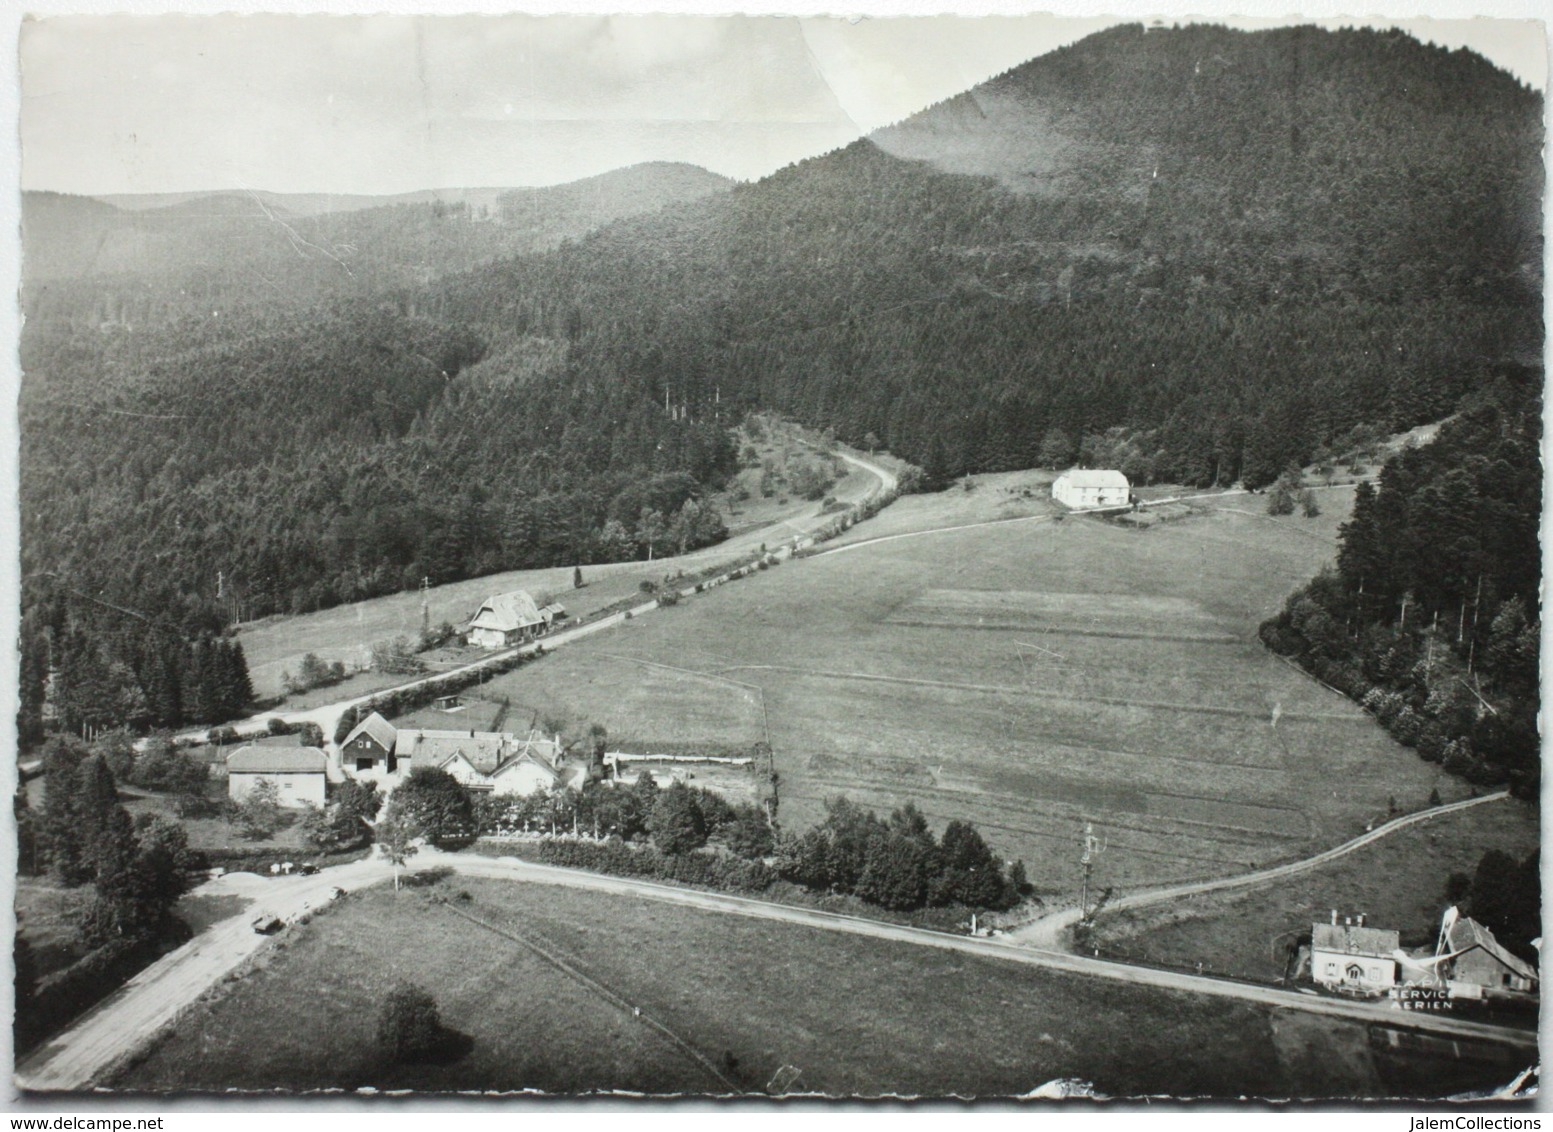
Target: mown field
{"type": "Point", "coordinates": [1398, 882]}
{"type": "Point", "coordinates": [915, 1021]}
{"type": "Point", "coordinates": [1026, 676]}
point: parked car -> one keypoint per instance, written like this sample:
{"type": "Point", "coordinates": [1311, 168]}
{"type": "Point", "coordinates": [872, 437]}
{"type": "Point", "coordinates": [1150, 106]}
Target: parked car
{"type": "Point", "coordinates": [308, 869]}
{"type": "Point", "coordinates": [267, 923]}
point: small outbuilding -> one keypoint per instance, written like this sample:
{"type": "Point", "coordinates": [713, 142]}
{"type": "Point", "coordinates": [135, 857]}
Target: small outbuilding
{"type": "Point", "coordinates": [299, 774]}
{"type": "Point", "coordinates": [1091, 487]}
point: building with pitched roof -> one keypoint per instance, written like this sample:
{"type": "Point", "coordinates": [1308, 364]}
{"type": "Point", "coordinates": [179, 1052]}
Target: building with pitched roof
{"type": "Point", "coordinates": [511, 618]}
{"type": "Point", "coordinates": [1350, 957]}
{"type": "Point", "coordinates": [368, 751]}
{"type": "Point", "coordinates": [1480, 965]}
{"type": "Point", "coordinates": [299, 774]}
{"type": "Point", "coordinates": [1091, 487]}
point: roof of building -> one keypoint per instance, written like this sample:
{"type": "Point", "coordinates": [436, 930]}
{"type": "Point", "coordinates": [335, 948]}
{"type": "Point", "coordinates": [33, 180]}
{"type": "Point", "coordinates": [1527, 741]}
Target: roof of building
{"type": "Point", "coordinates": [378, 728]}
{"type": "Point", "coordinates": [1092, 477]}
{"type": "Point", "coordinates": [505, 612]}
{"type": "Point", "coordinates": [1352, 939]}
{"type": "Point", "coordinates": [277, 760]}
{"type": "Point", "coordinates": [524, 758]}
{"type": "Point", "coordinates": [1466, 934]}
{"type": "Point", "coordinates": [483, 749]}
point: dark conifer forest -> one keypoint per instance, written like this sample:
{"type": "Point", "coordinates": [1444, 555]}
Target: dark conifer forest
{"type": "Point", "coordinates": [1432, 618]}
{"type": "Point", "coordinates": [1231, 247]}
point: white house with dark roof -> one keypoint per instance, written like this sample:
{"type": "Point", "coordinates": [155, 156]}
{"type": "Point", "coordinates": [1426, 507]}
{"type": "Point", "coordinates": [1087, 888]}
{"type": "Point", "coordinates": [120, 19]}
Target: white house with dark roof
{"type": "Point", "coordinates": [1091, 487]}
{"type": "Point", "coordinates": [1350, 957]}
{"type": "Point", "coordinates": [299, 774]}
{"type": "Point", "coordinates": [511, 618]}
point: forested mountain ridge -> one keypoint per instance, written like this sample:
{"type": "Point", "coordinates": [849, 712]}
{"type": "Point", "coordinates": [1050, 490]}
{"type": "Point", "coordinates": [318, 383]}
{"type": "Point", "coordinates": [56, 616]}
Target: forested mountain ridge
{"type": "Point", "coordinates": [1233, 245]}
{"type": "Point", "coordinates": [1215, 249]}
{"type": "Point", "coordinates": [90, 262]}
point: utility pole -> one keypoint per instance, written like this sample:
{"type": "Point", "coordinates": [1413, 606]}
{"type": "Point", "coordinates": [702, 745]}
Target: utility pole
{"type": "Point", "coordinates": [1092, 849]}
{"type": "Point", "coordinates": [425, 607]}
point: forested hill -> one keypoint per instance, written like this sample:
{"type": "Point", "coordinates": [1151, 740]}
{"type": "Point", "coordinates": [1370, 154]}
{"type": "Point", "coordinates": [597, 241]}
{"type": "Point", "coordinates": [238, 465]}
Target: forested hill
{"type": "Point", "coordinates": [1194, 253]}
{"type": "Point", "coordinates": [92, 263]}
{"type": "Point", "coordinates": [1230, 245]}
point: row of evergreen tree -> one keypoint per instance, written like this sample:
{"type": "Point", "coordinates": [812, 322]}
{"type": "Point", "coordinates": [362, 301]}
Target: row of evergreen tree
{"type": "Point", "coordinates": [1431, 618]}
{"type": "Point", "coordinates": [87, 669]}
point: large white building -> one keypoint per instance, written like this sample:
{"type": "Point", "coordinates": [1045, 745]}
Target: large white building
{"type": "Point", "coordinates": [298, 773]}
{"type": "Point", "coordinates": [1091, 487]}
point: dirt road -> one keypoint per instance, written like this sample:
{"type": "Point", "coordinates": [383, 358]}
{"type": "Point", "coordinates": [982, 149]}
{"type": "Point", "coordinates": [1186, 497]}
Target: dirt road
{"type": "Point", "coordinates": [117, 1027]}
{"type": "Point", "coordinates": [514, 869]}
{"type": "Point", "coordinates": [86, 1053]}
{"type": "Point", "coordinates": [1050, 930]}
{"type": "Point", "coordinates": [327, 716]}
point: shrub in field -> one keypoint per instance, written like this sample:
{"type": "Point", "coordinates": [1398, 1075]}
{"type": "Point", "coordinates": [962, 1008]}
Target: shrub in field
{"type": "Point", "coordinates": [409, 1026]}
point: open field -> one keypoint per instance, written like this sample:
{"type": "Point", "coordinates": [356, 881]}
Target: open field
{"type": "Point", "coordinates": [1398, 882]}
{"type": "Point", "coordinates": [1028, 677]}
{"type": "Point", "coordinates": [918, 1021]}
{"type": "Point", "coordinates": [346, 633]}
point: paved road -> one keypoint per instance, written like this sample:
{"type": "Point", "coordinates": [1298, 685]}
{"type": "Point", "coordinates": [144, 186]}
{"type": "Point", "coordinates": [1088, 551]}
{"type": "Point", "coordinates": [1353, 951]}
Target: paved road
{"type": "Point", "coordinates": [1050, 930]}
{"type": "Point", "coordinates": [82, 1054]}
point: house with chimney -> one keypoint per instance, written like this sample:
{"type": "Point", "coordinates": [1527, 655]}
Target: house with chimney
{"type": "Point", "coordinates": [1353, 958]}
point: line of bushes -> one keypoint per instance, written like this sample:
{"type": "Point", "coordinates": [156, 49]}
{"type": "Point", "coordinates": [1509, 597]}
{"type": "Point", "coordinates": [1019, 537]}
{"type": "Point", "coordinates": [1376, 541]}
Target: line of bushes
{"type": "Point", "coordinates": [613, 856]}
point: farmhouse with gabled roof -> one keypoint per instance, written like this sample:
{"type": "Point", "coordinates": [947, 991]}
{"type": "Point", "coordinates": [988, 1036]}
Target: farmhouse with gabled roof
{"type": "Point", "coordinates": [1091, 487]}
{"type": "Point", "coordinates": [510, 618]}
{"type": "Point", "coordinates": [1350, 957]}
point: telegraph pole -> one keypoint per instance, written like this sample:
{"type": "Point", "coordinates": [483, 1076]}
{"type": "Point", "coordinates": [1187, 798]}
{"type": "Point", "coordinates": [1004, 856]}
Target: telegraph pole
{"type": "Point", "coordinates": [1092, 849]}
{"type": "Point", "coordinates": [425, 607]}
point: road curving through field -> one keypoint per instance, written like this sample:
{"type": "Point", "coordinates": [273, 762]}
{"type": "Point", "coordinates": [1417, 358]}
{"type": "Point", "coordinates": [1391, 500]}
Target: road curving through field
{"type": "Point", "coordinates": [1050, 931]}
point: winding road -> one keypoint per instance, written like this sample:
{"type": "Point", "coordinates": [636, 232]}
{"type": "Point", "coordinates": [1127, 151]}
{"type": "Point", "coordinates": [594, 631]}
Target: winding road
{"type": "Point", "coordinates": [1050, 930]}
{"type": "Point", "coordinates": [87, 1053]}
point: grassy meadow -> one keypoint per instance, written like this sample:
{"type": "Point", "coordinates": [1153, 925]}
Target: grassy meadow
{"type": "Point", "coordinates": [1398, 882]}
{"type": "Point", "coordinates": [917, 1021]}
{"type": "Point", "coordinates": [346, 633]}
{"type": "Point", "coordinates": [1026, 676]}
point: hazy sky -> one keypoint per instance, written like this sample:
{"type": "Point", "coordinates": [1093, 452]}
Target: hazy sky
{"type": "Point", "coordinates": [380, 104]}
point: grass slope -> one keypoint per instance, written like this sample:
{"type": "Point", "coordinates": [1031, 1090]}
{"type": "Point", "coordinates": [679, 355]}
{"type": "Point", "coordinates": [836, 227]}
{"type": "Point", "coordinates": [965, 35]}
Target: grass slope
{"type": "Point", "coordinates": [1026, 676]}
{"type": "Point", "coordinates": [854, 1017]}
{"type": "Point", "coordinates": [1399, 882]}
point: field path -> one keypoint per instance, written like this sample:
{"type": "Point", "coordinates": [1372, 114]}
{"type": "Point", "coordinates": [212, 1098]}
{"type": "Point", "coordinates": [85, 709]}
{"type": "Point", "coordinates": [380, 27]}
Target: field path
{"type": "Point", "coordinates": [1050, 930]}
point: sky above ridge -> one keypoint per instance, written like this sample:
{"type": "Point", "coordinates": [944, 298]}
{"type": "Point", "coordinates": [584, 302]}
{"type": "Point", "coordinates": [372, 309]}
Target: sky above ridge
{"type": "Point", "coordinates": [387, 104]}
